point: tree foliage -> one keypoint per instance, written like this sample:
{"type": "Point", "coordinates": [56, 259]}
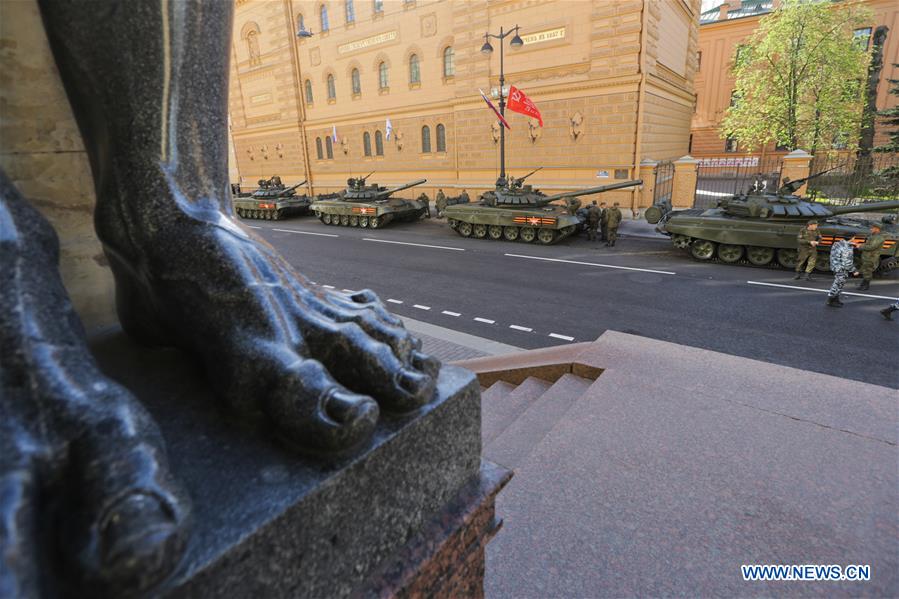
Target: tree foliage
{"type": "Point", "coordinates": [800, 78]}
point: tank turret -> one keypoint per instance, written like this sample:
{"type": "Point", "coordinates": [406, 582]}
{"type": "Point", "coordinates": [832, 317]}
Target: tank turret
{"type": "Point", "coordinates": [277, 192]}
{"type": "Point", "coordinates": [358, 191]}
{"type": "Point", "coordinates": [526, 197]}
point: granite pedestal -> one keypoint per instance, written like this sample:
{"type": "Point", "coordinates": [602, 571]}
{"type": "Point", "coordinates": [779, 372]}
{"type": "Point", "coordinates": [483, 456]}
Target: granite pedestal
{"type": "Point", "coordinates": [408, 514]}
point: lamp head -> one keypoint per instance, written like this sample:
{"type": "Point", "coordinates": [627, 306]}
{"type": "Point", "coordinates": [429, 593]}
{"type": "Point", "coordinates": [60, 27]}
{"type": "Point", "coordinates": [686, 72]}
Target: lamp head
{"type": "Point", "coordinates": [486, 48]}
{"type": "Point", "coordinates": [516, 42]}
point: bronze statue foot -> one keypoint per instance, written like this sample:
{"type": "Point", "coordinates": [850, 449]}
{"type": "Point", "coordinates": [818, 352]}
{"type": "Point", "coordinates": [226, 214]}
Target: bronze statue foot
{"type": "Point", "coordinates": [83, 473]}
{"type": "Point", "coordinates": [306, 359]}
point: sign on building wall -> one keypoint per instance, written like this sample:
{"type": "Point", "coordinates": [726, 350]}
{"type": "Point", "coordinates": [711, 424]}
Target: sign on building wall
{"type": "Point", "coordinates": [367, 42]}
{"type": "Point", "coordinates": [543, 36]}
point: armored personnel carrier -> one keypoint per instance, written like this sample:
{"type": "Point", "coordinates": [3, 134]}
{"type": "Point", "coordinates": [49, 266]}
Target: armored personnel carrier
{"type": "Point", "coordinates": [515, 211]}
{"type": "Point", "coordinates": [761, 228]}
{"type": "Point", "coordinates": [367, 206]}
{"type": "Point", "coordinates": [272, 201]}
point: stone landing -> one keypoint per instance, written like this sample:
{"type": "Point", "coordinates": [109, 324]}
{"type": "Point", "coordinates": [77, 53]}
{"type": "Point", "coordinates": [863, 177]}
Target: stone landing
{"type": "Point", "coordinates": [677, 465]}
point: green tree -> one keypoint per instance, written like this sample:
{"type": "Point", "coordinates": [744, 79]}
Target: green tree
{"type": "Point", "coordinates": [890, 118]}
{"type": "Point", "coordinates": [800, 79]}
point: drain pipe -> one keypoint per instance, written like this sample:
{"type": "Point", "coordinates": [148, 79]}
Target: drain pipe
{"type": "Point", "coordinates": [641, 96]}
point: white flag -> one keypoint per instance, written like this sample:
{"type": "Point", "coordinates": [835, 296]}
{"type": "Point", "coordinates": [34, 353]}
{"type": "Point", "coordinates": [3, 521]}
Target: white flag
{"type": "Point", "coordinates": [334, 133]}
{"type": "Point", "coordinates": [389, 129]}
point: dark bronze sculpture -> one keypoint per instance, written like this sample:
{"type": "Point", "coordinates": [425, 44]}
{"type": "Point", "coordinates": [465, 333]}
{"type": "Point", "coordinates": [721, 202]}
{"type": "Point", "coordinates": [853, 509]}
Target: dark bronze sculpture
{"type": "Point", "coordinates": [150, 94]}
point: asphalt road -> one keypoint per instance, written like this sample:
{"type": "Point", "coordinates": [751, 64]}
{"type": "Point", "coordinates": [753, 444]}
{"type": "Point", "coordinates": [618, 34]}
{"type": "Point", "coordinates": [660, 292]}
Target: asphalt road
{"type": "Point", "coordinates": [534, 296]}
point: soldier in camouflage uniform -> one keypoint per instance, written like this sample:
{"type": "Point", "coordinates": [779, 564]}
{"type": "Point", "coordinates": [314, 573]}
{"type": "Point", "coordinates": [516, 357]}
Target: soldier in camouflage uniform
{"type": "Point", "coordinates": [593, 216]}
{"type": "Point", "coordinates": [808, 239]}
{"type": "Point", "coordinates": [870, 256]}
{"type": "Point", "coordinates": [603, 222]}
{"type": "Point", "coordinates": [573, 204]}
{"type": "Point", "coordinates": [842, 262]}
{"type": "Point", "coordinates": [424, 199]}
{"type": "Point", "coordinates": [612, 221]}
{"type": "Point", "coordinates": [440, 203]}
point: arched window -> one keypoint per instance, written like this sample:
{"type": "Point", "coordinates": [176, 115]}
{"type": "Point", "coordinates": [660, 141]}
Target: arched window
{"type": "Point", "coordinates": [318, 147]}
{"type": "Point", "coordinates": [301, 23]}
{"type": "Point", "coordinates": [378, 6]}
{"type": "Point", "coordinates": [329, 147]}
{"type": "Point", "coordinates": [449, 65]}
{"type": "Point", "coordinates": [366, 143]}
{"type": "Point", "coordinates": [323, 12]}
{"type": "Point", "coordinates": [414, 71]}
{"type": "Point", "coordinates": [350, 11]}
{"type": "Point", "coordinates": [357, 85]}
{"type": "Point", "coordinates": [425, 139]}
{"type": "Point", "coordinates": [382, 75]}
{"type": "Point", "coordinates": [332, 91]}
{"type": "Point", "coordinates": [441, 138]}
{"type": "Point", "coordinates": [309, 92]}
{"type": "Point", "coordinates": [379, 143]}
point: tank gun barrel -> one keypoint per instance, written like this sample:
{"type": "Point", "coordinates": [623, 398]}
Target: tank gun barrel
{"type": "Point", "coordinates": [593, 190]}
{"type": "Point", "coordinates": [388, 192]}
{"type": "Point", "coordinates": [292, 187]}
{"type": "Point", "coordinates": [867, 207]}
{"type": "Point", "coordinates": [539, 168]}
{"type": "Point", "coordinates": [792, 186]}
{"type": "Point", "coordinates": [363, 179]}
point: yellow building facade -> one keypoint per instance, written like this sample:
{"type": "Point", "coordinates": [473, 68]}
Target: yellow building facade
{"type": "Point", "coordinates": [613, 80]}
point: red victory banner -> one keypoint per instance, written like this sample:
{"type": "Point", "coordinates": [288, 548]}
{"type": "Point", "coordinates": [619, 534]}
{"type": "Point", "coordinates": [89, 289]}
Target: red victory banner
{"type": "Point", "coordinates": [520, 103]}
{"type": "Point", "coordinates": [495, 111]}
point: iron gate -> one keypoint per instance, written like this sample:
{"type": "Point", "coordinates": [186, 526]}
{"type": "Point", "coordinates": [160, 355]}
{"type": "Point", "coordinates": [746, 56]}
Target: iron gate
{"type": "Point", "coordinates": [717, 178]}
{"type": "Point", "coordinates": [664, 184]}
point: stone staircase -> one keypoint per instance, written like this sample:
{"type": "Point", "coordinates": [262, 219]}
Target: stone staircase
{"type": "Point", "coordinates": [516, 418]}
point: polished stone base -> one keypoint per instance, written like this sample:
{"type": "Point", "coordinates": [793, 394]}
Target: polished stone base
{"type": "Point", "coordinates": [410, 512]}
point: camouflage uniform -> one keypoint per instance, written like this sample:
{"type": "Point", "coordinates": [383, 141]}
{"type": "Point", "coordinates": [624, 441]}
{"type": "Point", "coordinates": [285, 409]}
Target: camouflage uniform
{"type": "Point", "coordinates": [594, 214]}
{"type": "Point", "coordinates": [440, 203]}
{"type": "Point", "coordinates": [424, 199]}
{"type": "Point", "coordinates": [573, 205]}
{"type": "Point", "coordinates": [870, 257]}
{"type": "Point", "coordinates": [613, 219]}
{"type": "Point", "coordinates": [808, 253]}
{"type": "Point", "coordinates": [842, 263]}
{"type": "Point", "coordinates": [604, 224]}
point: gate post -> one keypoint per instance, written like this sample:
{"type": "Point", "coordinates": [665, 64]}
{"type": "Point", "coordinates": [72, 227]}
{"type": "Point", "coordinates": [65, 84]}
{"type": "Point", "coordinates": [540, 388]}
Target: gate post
{"type": "Point", "coordinates": [683, 192]}
{"type": "Point", "coordinates": [796, 165]}
{"type": "Point", "coordinates": [647, 172]}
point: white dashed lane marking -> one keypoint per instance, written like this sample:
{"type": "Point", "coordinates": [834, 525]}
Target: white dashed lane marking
{"type": "Point", "coordinates": [420, 307]}
{"type": "Point", "coordinates": [423, 245]}
{"type": "Point", "coordinates": [395, 301]}
{"type": "Point", "coordinates": [252, 226]}
{"type": "Point", "coordinates": [885, 297]}
{"type": "Point", "coordinates": [660, 272]}
{"type": "Point", "coordinates": [304, 232]}
{"type": "Point", "coordinates": [484, 320]}
{"type": "Point", "coordinates": [448, 313]}
{"type": "Point", "coordinates": [563, 337]}
{"type": "Point", "coordinates": [519, 328]}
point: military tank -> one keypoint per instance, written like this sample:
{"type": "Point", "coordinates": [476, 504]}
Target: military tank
{"type": "Point", "coordinates": [367, 206]}
{"type": "Point", "coordinates": [761, 228]}
{"type": "Point", "coordinates": [272, 201]}
{"type": "Point", "coordinates": [516, 211]}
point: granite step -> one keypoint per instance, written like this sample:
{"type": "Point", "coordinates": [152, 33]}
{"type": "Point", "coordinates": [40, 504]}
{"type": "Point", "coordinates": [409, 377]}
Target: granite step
{"type": "Point", "coordinates": [516, 442]}
{"type": "Point", "coordinates": [497, 391]}
{"type": "Point", "coordinates": [499, 413]}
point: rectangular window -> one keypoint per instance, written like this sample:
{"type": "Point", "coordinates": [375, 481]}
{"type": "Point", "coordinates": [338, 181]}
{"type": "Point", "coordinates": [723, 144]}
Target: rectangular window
{"type": "Point", "coordinates": [698, 61]}
{"type": "Point", "coordinates": [862, 37]}
{"type": "Point", "coordinates": [730, 144]}
{"type": "Point", "coordinates": [379, 6]}
{"type": "Point", "coordinates": [621, 173]}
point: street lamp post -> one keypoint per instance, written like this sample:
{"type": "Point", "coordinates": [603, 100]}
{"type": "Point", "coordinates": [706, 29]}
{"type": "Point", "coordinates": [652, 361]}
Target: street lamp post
{"type": "Point", "coordinates": [516, 43]}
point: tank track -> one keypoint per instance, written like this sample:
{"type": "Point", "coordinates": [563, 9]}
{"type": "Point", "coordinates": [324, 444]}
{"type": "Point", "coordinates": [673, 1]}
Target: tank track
{"type": "Point", "coordinates": [510, 233]}
{"type": "Point", "coordinates": [271, 214]}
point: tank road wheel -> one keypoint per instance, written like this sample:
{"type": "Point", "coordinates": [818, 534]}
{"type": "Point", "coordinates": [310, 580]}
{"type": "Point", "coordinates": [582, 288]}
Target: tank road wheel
{"type": "Point", "coordinates": [269, 215]}
{"type": "Point", "coordinates": [374, 222]}
{"type": "Point", "coordinates": [354, 221]}
{"type": "Point", "coordinates": [702, 249]}
{"type": "Point", "coordinates": [495, 231]}
{"type": "Point", "coordinates": [823, 262]}
{"type": "Point", "coordinates": [759, 256]}
{"type": "Point", "coordinates": [276, 215]}
{"type": "Point", "coordinates": [682, 242]}
{"type": "Point", "coordinates": [326, 218]}
{"type": "Point", "coordinates": [363, 222]}
{"type": "Point", "coordinates": [527, 234]}
{"type": "Point", "coordinates": [787, 258]}
{"type": "Point", "coordinates": [453, 223]}
{"type": "Point", "coordinates": [464, 229]}
{"type": "Point", "coordinates": [730, 253]}
{"type": "Point", "coordinates": [479, 231]}
{"type": "Point", "coordinates": [510, 233]}
{"type": "Point", "coordinates": [546, 236]}
{"type": "Point", "coordinates": [345, 220]}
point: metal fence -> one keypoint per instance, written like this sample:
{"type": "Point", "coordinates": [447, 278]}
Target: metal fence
{"type": "Point", "coordinates": [664, 184]}
{"type": "Point", "coordinates": [722, 177]}
{"type": "Point", "coordinates": [851, 179]}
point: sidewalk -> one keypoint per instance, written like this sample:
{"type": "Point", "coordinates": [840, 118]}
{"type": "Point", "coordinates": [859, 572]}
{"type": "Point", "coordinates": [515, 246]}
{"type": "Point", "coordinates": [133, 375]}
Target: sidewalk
{"type": "Point", "coordinates": [639, 228]}
{"type": "Point", "coordinates": [449, 346]}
